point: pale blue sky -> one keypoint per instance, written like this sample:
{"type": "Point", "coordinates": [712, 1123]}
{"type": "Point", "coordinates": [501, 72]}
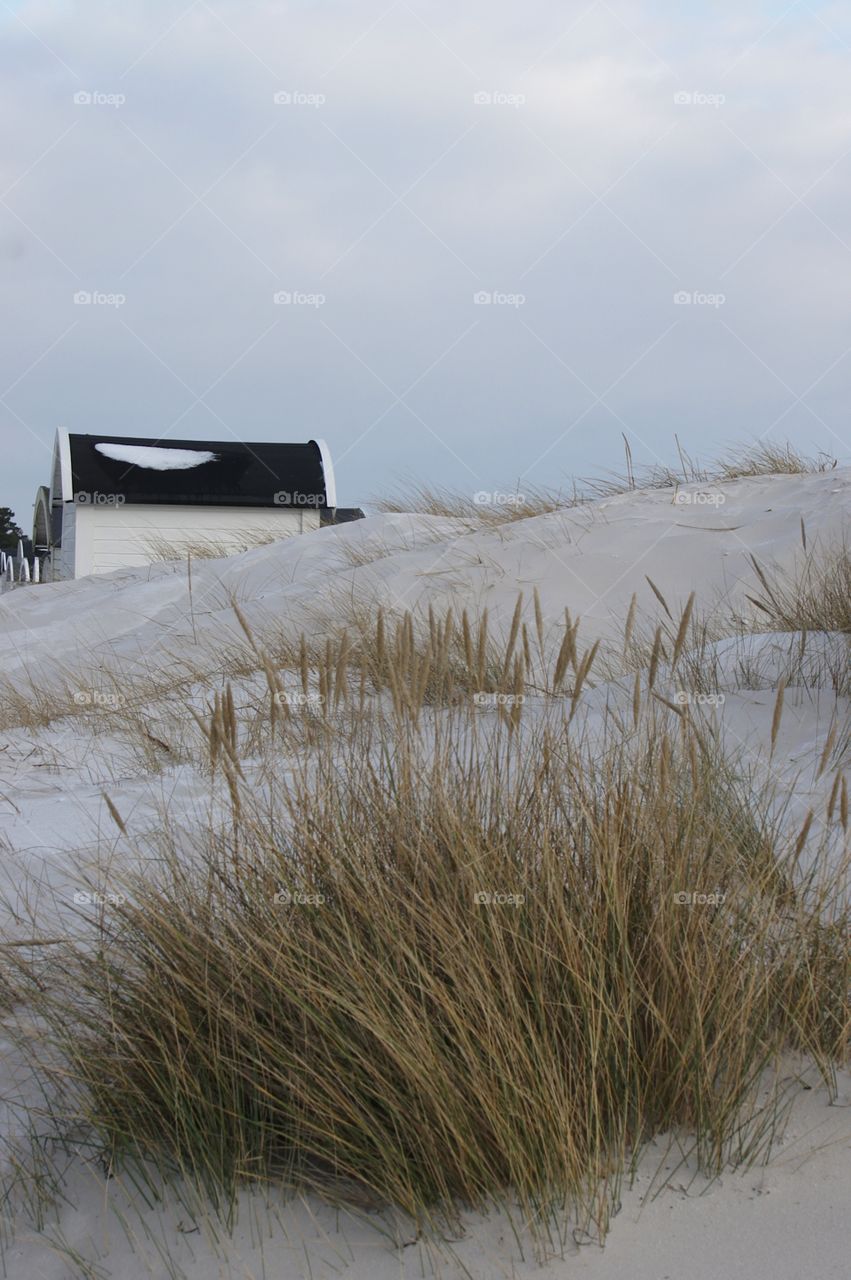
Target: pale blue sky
{"type": "Point", "coordinates": [583, 190]}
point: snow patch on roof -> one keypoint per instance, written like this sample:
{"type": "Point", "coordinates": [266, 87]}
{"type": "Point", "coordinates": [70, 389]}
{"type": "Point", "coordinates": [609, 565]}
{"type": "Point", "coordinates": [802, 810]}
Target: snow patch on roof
{"type": "Point", "coordinates": [156, 459]}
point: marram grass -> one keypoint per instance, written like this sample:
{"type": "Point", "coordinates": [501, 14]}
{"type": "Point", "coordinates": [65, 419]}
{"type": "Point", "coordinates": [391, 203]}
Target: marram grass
{"type": "Point", "coordinates": [450, 965]}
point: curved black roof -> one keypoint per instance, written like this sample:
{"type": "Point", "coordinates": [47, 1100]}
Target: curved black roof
{"type": "Point", "coordinates": [145, 470]}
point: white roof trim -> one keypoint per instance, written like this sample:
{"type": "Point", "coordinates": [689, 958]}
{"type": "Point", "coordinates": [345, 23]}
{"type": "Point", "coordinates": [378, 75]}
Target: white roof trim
{"type": "Point", "coordinates": [42, 507]}
{"type": "Point", "coordinates": [62, 448]}
{"type": "Point", "coordinates": [327, 473]}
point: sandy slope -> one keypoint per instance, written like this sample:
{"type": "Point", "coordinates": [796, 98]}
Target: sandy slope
{"type": "Point", "coordinates": [787, 1221]}
{"type": "Point", "coordinates": [591, 558]}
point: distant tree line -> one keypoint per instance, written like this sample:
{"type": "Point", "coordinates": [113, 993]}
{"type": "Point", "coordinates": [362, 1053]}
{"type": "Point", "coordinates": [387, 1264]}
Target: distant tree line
{"type": "Point", "coordinates": [9, 531]}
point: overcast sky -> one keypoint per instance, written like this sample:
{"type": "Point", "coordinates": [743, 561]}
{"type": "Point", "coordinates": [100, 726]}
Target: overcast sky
{"type": "Point", "coordinates": [580, 164]}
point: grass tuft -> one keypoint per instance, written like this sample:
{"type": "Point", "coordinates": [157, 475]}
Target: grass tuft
{"type": "Point", "coordinates": [455, 963]}
{"type": "Point", "coordinates": [815, 597]}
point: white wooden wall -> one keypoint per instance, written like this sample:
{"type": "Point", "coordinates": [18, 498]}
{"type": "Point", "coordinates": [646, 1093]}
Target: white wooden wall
{"type": "Point", "coordinates": [100, 538]}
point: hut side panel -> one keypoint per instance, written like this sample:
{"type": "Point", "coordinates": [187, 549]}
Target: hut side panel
{"type": "Point", "coordinates": [119, 537]}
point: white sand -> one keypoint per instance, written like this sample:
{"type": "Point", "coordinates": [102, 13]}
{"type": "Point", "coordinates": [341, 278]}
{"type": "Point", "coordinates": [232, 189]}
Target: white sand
{"type": "Point", "coordinates": [789, 1221]}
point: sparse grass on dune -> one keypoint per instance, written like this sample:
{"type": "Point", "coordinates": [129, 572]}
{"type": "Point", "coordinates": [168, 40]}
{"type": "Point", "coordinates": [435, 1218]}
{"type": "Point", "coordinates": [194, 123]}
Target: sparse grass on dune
{"type": "Point", "coordinates": [815, 597]}
{"type": "Point", "coordinates": [319, 994]}
{"type": "Point", "coordinates": [810, 603]}
{"type": "Point", "coordinates": [766, 457]}
{"type": "Point", "coordinates": [455, 655]}
{"type": "Point", "coordinates": [761, 458]}
{"type": "Point", "coordinates": [481, 509]}
{"type": "Point", "coordinates": [423, 659]}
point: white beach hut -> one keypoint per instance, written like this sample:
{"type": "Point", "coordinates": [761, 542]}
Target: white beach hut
{"type": "Point", "coordinates": [113, 500]}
